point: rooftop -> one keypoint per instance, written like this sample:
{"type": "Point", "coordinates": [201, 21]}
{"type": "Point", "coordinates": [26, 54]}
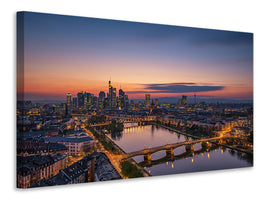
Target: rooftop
{"type": "Point", "coordinates": [68, 139]}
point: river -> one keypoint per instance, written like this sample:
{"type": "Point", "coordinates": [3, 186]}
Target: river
{"type": "Point", "coordinates": [138, 138]}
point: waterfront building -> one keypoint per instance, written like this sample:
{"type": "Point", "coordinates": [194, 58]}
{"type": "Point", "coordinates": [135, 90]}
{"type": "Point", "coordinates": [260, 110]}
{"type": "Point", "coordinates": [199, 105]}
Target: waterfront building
{"type": "Point", "coordinates": [241, 132]}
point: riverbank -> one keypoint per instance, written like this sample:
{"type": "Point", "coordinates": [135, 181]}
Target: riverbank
{"type": "Point", "coordinates": [195, 137]}
{"type": "Point", "coordinates": [113, 151]}
{"type": "Point", "coordinates": [132, 161]}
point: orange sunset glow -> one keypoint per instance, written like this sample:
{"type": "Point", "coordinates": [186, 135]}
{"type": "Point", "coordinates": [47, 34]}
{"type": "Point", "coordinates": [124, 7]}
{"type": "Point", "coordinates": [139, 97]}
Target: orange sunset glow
{"type": "Point", "coordinates": [217, 64]}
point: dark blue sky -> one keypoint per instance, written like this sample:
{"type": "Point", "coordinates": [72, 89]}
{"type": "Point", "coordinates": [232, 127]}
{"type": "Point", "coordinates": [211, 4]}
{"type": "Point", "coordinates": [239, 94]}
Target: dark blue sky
{"type": "Point", "coordinates": [133, 53]}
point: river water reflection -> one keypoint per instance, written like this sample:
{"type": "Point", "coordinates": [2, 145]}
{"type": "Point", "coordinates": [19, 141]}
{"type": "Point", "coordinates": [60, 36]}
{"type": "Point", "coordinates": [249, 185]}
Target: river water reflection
{"type": "Point", "coordinates": [138, 138]}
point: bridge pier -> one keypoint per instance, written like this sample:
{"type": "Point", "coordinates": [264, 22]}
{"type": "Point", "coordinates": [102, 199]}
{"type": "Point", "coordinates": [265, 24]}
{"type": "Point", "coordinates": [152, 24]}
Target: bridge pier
{"type": "Point", "coordinates": [189, 148]}
{"type": "Point", "coordinates": [147, 157]}
{"type": "Point", "coordinates": [170, 152]}
{"type": "Point", "coordinates": [220, 141]}
{"type": "Point", "coordinates": [205, 145]}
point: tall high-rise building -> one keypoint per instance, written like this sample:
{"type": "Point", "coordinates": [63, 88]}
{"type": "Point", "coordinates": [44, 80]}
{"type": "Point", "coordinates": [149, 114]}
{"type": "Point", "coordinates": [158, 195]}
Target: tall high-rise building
{"type": "Point", "coordinates": [140, 104]}
{"type": "Point", "coordinates": [89, 100]}
{"type": "Point", "coordinates": [114, 99]}
{"type": "Point", "coordinates": [95, 101]}
{"type": "Point", "coordinates": [121, 101]}
{"type": "Point", "coordinates": [80, 99]}
{"type": "Point", "coordinates": [68, 107]}
{"type": "Point", "coordinates": [106, 103]}
{"type": "Point", "coordinates": [156, 102]}
{"type": "Point", "coordinates": [112, 95]}
{"type": "Point", "coordinates": [74, 102]}
{"type": "Point", "coordinates": [147, 100]}
{"type": "Point", "coordinates": [184, 100]}
{"type": "Point", "coordinates": [101, 99]}
{"type": "Point", "coordinates": [102, 95]}
{"type": "Point", "coordinates": [85, 100]}
{"type": "Point", "coordinates": [126, 102]}
{"type": "Point", "coordinates": [110, 89]}
{"type": "Point", "coordinates": [131, 104]}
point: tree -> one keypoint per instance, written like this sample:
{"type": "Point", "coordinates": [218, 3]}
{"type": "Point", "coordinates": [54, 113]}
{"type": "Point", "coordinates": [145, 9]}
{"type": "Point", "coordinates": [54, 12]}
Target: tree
{"type": "Point", "coordinates": [115, 126]}
{"type": "Point", "coordinates": [129, 170]}
{"type": "Point", "coordinates": [96, 119]}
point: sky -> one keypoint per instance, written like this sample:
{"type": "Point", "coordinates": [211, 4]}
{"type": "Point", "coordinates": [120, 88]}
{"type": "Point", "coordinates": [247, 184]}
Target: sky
{"type": "Point", "coordinates": [60, 54]}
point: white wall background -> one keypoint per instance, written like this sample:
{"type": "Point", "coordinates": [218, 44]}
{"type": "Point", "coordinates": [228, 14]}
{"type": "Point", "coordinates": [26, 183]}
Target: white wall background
{"type": "Point", "coordinates": [249, 16]}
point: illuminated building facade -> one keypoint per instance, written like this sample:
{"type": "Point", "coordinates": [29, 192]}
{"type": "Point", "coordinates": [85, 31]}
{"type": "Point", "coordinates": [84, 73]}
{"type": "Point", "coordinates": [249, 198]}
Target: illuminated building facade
{"type": "Point", "coordinates": [101, 99]}
{"type": "Point", "coordinates": [80, 99]}
{"type": "Point", "coordinates": [147, 100]}
{"type": "Point", "coordinates": [69, 104]}
{"type": "Point", "coordinates": [184, 100]}
{"type": "Point", "coordinates": [31, 169]}
{"type": "Point", "coordinates": [121, 100]}
{"type": "Point", "coordinates": [156, 102]}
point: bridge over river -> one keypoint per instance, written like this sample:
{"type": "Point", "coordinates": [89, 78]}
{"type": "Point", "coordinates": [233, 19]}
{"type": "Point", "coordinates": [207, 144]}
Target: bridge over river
{"type": "Point", "coordinates": [169, 148]}
{"type": "Point", "coordinates": [172, 158]}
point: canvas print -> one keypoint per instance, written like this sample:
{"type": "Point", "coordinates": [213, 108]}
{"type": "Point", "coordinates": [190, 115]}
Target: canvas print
{"type": "Point", "coordinates": [101, 100]}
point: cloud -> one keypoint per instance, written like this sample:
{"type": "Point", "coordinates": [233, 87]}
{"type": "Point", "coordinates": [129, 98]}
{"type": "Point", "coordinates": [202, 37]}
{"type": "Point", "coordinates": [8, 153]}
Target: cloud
{"type": "Point", "coordinates": [176, 88]}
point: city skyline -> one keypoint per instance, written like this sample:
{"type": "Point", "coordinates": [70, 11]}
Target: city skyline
{"type": "Point", "coordinates": [101, 100]}
{"type": "Point", "coordinates": [165, 61]}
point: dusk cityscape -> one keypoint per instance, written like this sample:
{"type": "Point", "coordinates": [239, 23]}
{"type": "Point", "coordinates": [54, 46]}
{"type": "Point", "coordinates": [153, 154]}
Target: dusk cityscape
{"type": "Point", "coordinates": [101, 100]}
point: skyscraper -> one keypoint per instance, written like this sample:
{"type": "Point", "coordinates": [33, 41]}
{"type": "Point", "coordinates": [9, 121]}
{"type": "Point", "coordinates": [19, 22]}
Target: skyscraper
{"type": "Point", "coordinates": [110, 89]}
{"type": "Point", "coordinates": [131, 104]}
{"type": "Point", "coordinates": [147, 100]}
{"type": "Point", "coordinates": [80, 99]}
{"type": "Point", "coordinates": [184, 100]}
{"type": "Point", "coordinates": [90, 98]}
{"type": "Point", "coordinates": [95, 101]}
{"type": "Point", "coordinates": [156, 102]}
{"type": "Point", "coordinates": [85, 100]}
{"type": "Point", "coordinates": [75, 102]}
{"type": "Point", "coordinates": [121, 99]}
{"type": "Point", "coordinates": [101, 99]}
{"type": "Point", "coordinates": [112, 95]}
{"type": "Point", "coordinates": [68, 108]}
{"type": "Point", "coordinates": [114, 100]}
{"type": "Point", "coordinates": [126, 102]}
